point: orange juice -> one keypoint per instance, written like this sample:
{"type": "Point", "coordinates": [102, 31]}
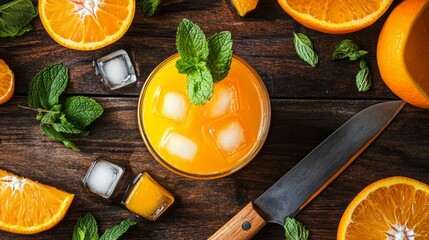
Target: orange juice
{"type": "Point", "coordinates": [147, 198]}
{"type": "Point", "coordinates": [210, 140]}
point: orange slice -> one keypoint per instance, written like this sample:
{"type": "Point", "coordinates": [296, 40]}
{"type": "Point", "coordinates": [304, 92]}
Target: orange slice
{"type": "Point", "coordinates": [391, 208]}
{"type": "Point", "coordinates": [28, 207]}
{"type": "Point", "coordinates": [86, 24]}
{"type": "Point", "coordinates": [335, 16]}
{"type": "Point", "coordinates": [7, 82]}
{"type": "Point", "coordinates": [403, 52]}
{"type": "Point", "coordinates": [244, 6]}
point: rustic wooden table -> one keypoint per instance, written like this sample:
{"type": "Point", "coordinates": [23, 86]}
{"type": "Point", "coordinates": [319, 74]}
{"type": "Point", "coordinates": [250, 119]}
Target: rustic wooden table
{"type": "Point", "coordinates": [307, 105]}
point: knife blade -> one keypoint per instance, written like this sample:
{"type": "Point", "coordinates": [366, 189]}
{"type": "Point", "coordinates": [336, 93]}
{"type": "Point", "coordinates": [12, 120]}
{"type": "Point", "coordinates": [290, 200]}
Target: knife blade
{"type": "Point", "coordinates": [292, 192]}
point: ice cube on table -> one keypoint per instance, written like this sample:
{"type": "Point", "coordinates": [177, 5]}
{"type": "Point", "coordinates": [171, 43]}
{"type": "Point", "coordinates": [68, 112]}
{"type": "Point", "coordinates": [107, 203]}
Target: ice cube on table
{"type": "Point", "coordinates": [224, 100]}
{"type": "Point", "coordinates": [180, 146]}
{"type": "Point", "coordinates": [103, 177]}
{"type": "Point", "coordinates": [116, 70]}
{"type": "Point", "coordinates": [229, 137]}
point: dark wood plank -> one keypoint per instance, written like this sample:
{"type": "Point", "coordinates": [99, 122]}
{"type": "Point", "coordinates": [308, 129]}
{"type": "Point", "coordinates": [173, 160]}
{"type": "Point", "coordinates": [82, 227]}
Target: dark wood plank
{"type": "Point", "coordinates": [202, 207]}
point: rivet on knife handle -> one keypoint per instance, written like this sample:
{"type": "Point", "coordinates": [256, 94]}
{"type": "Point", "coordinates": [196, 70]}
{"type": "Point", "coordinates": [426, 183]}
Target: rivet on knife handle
{"type": "Point", "coordinates": [243, 225]}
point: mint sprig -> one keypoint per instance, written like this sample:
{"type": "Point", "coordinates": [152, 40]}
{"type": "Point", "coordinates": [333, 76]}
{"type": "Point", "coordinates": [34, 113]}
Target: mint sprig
{"type": "Point", "coordinates": [60, 120]}
{"type": "Point", "coordinates": [204, 61]}
{"type": "Point", "coordinates": [295, 230]}
{"type": "Point", "coordinates": [349, 49]}
{"type": "Point", "coordinates": [87, 229]}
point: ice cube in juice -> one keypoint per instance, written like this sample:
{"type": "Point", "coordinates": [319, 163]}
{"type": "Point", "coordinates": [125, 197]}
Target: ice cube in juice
{"type": "Point", "coordinates": [172, 105]}
{"type": "Point", "coordinates": [179, 146]}
{"type": "Point", "coordinates": [214, 139]}
{"type": "Point", "coordinates": [229, 137]}
{"type": "Point", "coordinates": [148, 198]}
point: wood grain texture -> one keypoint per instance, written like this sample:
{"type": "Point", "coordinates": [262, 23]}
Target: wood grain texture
{"type": "Point", "coordinates": [202, 207]}
{"type": "Point", "coordinates": [307, 106]}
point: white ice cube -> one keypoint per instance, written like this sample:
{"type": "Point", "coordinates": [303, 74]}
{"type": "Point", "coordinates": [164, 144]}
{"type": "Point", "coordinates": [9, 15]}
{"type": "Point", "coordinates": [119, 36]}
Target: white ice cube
{"type": "Point", "coordinates": [220, 103]}
{"type": "Point", "coordinates": [174, 106]}
{"type": "Point", "coordinates": [180, 146]}
{"type": "Point", "coordinates": [116, 70]}
{"type": "Point", "coordinates": [231, 137]}
{"type": "Point", "coordinates": [103, 178]}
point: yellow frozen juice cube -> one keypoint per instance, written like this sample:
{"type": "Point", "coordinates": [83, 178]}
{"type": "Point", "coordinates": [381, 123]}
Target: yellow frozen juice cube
{"type": "Point", "coordinates": [148, 199]}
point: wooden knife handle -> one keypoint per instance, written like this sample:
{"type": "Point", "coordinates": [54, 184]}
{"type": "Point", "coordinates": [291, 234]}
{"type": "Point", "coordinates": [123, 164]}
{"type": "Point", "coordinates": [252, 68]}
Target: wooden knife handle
{"type": "Point", "coordinates": [243, 225]}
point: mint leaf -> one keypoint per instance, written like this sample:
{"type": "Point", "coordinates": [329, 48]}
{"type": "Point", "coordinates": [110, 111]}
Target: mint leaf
{"type": "Point", "coordinates": [348, 48]}
{"type": "Point", "coordinates": [46, 87]}
{"type": "Point", "coordinates": [363, 77]}
{"type": "Point", "coordinates": [294, 230]}
{"type": "Point", "coordinates": [49, 131]}
{"type": "Point", "coordinates": [82, 110]}
{"type": "Point", "coordinates": [149, 7]}
{"type": "Point", "coordinates": [117, 231]}
{"type": "Point", "coordinates": [191, 41]}
{"type": "Point", "coordinates": [200, 86]}
{"type": "Point", "coordinates": [304, 49]}
{"type": "Point", "coordinates": [187, 65]}
{"type": "Point", "coordinates": [86, 228]}
{"type": "Point", "coordinates": [15, 17]}
{"type": "Point", "coordinates": [220, 55]}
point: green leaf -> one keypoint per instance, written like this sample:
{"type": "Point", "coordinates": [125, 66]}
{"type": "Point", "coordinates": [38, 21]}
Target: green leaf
{"type": "Point", "coordinates": [363, 77]}
{"type": "Point", "coordinates": [200, 86]}
{"type": "Point", "coordinates": [52, 115]}
{"type": "Point", "coordinates": [117, 231]}
{"type": "Point", "coordinates": [24, 29]}
{"type": "Point", "coordinates": [149, 7]}
{"type": "Point", "coordinates": [15, 17]}
{"type": "Point", "coordinates": [49, 131]}
{"type": "Point", "coordinates": [304, 49]}
{"type": "Point", "coordinates": [187, 65]}
{"type": "Point", "coordinates": [67, 127]}
{"type": "Point", "coordinates": [294, 230]}
{"type": "Point", "coordinates": [46, 87]}
{"type": "Point", "coordinates": [82, 110]}
{"type": "Point", "coordinates": [191, 41]}
{"type": "Point", "coordinates": [220, 55]}
{"type": "Point", "coordinates": [86, 228]}
{"type": "Point", "coordinates": [81, 231]}
{"type": "Point", "coordinates": [348, 48]}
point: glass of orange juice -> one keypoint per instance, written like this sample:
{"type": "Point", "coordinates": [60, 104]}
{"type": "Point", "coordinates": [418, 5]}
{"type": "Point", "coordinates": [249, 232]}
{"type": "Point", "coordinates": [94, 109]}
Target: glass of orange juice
{"type": "Point", "coordinates": [205, 141]}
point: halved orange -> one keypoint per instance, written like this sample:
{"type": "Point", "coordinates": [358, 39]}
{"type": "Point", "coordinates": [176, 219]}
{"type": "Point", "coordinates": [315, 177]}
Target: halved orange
{"type": "Point", "coordinates": [29, 207]}
{"type": "Point", "coordinates": [335, 16]}
{"type": "Point", "coordinates": [86, 24]}
{"type": "Point", "coordinates": [391, 208]}
{"type": "Point", "coordinates": [403, 52]}
{"type": "Point", "coordinates": [244, 6]}
{"type": "Point", "coordinates": [7, 82]}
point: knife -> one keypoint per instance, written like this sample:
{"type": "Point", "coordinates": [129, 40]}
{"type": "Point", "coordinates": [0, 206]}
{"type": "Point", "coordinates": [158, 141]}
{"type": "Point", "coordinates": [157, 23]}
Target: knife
{"type": "Point", "coordinates": [312, 174]}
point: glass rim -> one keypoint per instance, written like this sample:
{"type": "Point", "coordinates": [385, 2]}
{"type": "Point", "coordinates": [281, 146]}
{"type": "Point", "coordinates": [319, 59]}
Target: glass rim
{"type": "Point", "coordinates": [262, 136]}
